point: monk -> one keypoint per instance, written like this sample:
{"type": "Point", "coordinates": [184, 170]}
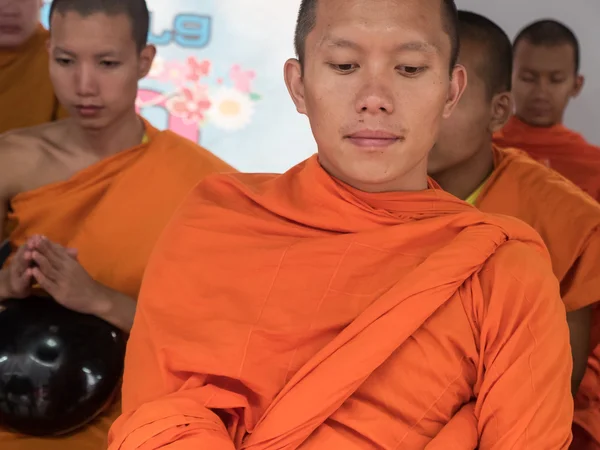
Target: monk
{"type": "Point", "coordinates": [87, 197]}
{"type": "Point", "coordinates": [546, 76]}
{"type": "Point", "coordinates": [466, 163]}
{"type": "Point", "coordinates": [350, 303]}
{"type": "Point", "coordinates": [26, 92]}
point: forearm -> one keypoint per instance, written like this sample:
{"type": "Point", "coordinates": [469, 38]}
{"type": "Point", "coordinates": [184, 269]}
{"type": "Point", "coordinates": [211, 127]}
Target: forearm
{"type": "Point", "coordinates": [4, 285]}
{"type": "Point", "coordinates": [116, 308]}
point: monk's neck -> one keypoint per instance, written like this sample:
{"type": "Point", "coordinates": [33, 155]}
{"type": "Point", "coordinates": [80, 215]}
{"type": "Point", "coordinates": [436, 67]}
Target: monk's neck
{"type": "Point", "coordinates": [122, 134]}
{"type": "Point", "coordinates": [463, 179]}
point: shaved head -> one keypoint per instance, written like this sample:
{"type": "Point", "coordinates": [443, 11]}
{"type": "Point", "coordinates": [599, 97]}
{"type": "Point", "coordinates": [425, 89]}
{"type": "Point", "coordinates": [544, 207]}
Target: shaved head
{"type": "Point", "coordinates": [495, 65]}
{"type": "Point", "coordinates": [550, 33]}
{"type": "Point", "coordinates": [135, 10]}
{"type": "Point", "coordinates": [307, 18]}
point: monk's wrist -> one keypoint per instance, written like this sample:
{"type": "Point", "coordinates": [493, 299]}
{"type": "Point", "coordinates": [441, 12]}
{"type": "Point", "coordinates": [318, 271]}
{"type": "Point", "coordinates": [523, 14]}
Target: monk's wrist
{"type": "Point", "coordinates": [114, 308]}
{"type": "Point", "coordinates": [101, 301]}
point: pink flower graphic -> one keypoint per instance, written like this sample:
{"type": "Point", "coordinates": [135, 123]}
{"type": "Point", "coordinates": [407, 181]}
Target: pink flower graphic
{"type": "Point", "coordinates": [190, 104]}
{"type": "Point", "coordinates": [176, 72]}
{"type": "Point", "coordinates": [242, 80]}
{"type": "Point", "coordinates": [198, 69]}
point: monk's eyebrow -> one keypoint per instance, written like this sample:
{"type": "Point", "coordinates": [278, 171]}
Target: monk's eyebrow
{"type": "Point", "coordinates": [105, 54]}
{"type": "Point", "coordinates": [63, 51]}
{"type": "Point", "coordinates": [411, 46]}
{"type": "Point", "coordinates": [418, 46]}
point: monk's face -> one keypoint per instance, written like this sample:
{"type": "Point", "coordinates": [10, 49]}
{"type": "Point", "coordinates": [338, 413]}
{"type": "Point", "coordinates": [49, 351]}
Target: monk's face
{"type": "Point", "coordinates": [477, 116]}
{"type": "Point", "coordinates": [544, 80]}
{"type": "Point", "coordinates": [18, 21]}
{"type": "Point", "coordinates": [376, 86]}
{"type": "Point", "coordinates": [95, 66]}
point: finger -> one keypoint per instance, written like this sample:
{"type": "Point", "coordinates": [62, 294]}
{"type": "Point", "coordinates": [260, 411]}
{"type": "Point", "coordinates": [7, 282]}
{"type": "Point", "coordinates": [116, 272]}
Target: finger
{"type": "Point", "coordinates": [54, 246]}
{"type": "Point", "coordinates": [25, 280]}
{"type": "Point", "coordinates": [45, 266]}
{"type": "Point", "coordinates": [46, 248]}
{"type": "Point", "coordinates": [73, 253]}
{"type": "Point", "coordinates": [34, 241]}
{"type": "Point", "coordinates": [21, 260]}
{"type": "Point", "coordinates": [45, 283]}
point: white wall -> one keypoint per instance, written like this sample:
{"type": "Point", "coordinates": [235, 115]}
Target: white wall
{"type": "Point", "coordinates": [583, 17]}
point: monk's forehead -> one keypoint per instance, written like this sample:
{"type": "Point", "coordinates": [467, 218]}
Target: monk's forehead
{"type": "Point", "coordinates": [547, 58]}
{"type": "Point", "coordinates": [379, 22]}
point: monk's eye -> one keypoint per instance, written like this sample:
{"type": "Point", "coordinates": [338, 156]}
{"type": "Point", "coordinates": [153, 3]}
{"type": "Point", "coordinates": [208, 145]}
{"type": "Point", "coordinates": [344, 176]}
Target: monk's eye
{"type": "Point", "coordinates": [411, 71]}
{"type": "Point", "coordinates": [110, 64]}
{"type": "Point", "coordinates": [344, 68]}
{"type": "Point", "coordinates": [64, 61]}
{"type": "Point", "coordinates": [527, 78]}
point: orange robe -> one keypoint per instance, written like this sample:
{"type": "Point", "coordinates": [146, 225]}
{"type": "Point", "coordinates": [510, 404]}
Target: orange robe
{"type": "Point", "coordinates": [303, 313]}
{"type": "Point", "coordinates": [26, 93]}
{"type": "Point", "coordinates": [567, 220]}
{"type": "Point", "coordinates": [113, 213]}
{"type": "Point", "coordinates": [559, 148]}
{"type": "Point", "coordinates": [569, 223]}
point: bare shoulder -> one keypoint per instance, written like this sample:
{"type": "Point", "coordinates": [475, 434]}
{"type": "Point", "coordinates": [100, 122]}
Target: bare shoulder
{"type": "Point", "coordinates": [25, 156]}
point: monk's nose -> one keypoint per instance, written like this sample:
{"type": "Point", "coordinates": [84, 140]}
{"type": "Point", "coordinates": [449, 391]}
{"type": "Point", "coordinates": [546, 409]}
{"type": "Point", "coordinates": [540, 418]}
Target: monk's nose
{"type": "Point", "coordinates": [86, 81]}
{"type": "Point", "coordinates": [375, 97]}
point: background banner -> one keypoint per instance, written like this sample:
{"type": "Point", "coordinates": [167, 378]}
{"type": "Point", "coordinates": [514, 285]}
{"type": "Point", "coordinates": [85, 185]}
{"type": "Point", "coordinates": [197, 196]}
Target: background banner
{"type": "Point", "coordinates": [218, 79]}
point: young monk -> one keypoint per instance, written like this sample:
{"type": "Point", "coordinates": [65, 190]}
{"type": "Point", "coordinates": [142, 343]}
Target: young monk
{"type": "Point", "coordinates": [546, 77]}
{"type": "Point", "coordinates": [89, 195]}
{"type": "Point", "coordinates": [507, 181]}
{"type": "Point", "coordinates": [349, 303]}
{"type": "Point", "coordinates": [26, 93]}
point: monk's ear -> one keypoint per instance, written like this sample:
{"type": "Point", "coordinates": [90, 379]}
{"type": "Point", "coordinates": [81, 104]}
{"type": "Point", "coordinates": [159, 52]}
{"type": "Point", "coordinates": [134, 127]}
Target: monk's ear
{"type": "Point", "coordinates": [294, 81]}
{"type": "Point", "coordinates": [146, 59]}
{"type": "Point", "coordinates": [579, 82]}
{"type": "Point", "coordinates": [458, 84]}
{"type": "Point", "coordinates": [502, 109]}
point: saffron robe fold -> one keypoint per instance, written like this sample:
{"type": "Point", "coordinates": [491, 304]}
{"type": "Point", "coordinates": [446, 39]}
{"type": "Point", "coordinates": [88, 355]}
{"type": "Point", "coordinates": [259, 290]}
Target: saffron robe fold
{"type": "Point", "coordinates": [292, 311]}
{"type": "Point", "coordinates": [112, 212]}
{"type": "Point", "coordinates": [567, 219]}
{"type": "Point", "coordinates": [557, 147]}
{"type": "Point", "coordinates": [26, 92]}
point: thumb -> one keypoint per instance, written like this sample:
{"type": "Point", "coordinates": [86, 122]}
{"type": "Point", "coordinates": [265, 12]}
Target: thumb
{"type": "Point", "coordinates": [73, 252]}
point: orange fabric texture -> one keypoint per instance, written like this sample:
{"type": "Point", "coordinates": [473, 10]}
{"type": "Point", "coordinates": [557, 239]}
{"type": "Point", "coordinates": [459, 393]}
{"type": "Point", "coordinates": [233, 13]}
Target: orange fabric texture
{"type": "Point", "coordinates": [559, 148]}
{"type": "Point", "coordinates": [292, 311]}
{"type": "Point", "coordinates": [567, 220]}
{"type": "Point", "coordinates": [26, 93]}
{"type": "Point", "coordinates": [569, 223]}
{"type": "Point", "coordinates": [113, 213]}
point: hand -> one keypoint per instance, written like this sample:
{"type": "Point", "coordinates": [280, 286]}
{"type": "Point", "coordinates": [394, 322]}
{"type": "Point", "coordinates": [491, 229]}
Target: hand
{"type": "Point", "coordinates": [59, 273]}
{"type": "Point", "coordinates": [17, 277]}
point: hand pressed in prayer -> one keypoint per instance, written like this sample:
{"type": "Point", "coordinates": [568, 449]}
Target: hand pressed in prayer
{"type": "Point", "coordinates": [19, 274]}
{"type": "Point", "coordinates": [58, 272]}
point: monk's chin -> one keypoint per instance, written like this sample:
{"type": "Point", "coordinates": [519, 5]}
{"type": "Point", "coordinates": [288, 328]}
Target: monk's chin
{"type": "Point", "coordinates": [538, 121]}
